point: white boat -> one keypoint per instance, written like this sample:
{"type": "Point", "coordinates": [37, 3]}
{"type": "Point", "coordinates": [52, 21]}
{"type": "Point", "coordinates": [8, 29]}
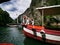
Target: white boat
{"type": "Point", "coordinates": [40, 32]}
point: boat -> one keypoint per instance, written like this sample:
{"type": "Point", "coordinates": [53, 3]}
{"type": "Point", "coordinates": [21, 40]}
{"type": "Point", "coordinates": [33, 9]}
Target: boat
{"type": "Point", "coordinates": [40, 32]}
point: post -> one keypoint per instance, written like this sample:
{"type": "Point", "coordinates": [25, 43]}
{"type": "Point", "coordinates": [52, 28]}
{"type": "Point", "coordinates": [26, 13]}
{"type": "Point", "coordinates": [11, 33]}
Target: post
{"type": "Point", "coordinates": [42, 17]}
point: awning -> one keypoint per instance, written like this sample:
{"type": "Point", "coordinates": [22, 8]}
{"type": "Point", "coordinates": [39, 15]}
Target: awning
{"type": "Point", "coordinates": [50, 10]}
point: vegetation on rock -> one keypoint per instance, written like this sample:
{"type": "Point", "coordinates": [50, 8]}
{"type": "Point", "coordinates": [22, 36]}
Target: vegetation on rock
{"type": "Point", "coordinates": [35, 14]}
{"type": "Point", "coordinates": [4, 17]}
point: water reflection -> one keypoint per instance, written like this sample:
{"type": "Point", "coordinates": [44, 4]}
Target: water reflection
{"type": "Point", "coordinates": [30, 41]}
{"type": "Point", "coordinates": [15, 36]}
{"type": "Point", "coordinates": [11, 35]}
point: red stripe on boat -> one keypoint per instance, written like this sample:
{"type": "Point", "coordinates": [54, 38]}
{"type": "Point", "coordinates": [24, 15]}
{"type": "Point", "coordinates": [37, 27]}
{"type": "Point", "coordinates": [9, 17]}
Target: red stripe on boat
{"type": "Point", "coordinates": [40, 38]}
{"type": "Point", "coordinates": [53, 32]}
{"type": "Point", "coordinates": [47, 31]}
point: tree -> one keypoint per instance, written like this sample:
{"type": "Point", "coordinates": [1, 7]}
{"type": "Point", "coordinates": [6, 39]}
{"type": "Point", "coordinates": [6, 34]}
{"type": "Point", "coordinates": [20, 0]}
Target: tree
{"type": "Point", "coordinates": [4, 17]}
{"type": "Point", "coordinates": [52, 2]}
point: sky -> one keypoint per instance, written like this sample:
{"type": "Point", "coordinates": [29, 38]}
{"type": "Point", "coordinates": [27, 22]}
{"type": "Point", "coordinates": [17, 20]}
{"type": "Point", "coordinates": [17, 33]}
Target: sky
{"type": "Point", "coordinates": [15, 7]}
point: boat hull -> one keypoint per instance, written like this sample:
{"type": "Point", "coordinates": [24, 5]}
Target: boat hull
{"type": "Point", "coordinates": [54, 39]}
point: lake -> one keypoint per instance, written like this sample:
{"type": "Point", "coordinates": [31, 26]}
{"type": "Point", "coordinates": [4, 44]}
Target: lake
{"type": "Point", "coordinates": [15, 36]}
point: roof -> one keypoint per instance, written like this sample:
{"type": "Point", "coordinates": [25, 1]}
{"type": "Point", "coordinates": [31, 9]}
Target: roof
{"type": "Point", "coordinates": [46, 7]}
{"type": "Point", "coordinates": [50, 10]}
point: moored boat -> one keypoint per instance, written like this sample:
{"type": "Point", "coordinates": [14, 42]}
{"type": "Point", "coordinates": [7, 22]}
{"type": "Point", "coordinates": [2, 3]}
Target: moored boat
{"type": "Point", "coordinates": [40, 32]}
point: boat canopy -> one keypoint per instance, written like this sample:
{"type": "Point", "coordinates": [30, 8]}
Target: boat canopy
{"type": "Point", "coordinates": [50, 10]}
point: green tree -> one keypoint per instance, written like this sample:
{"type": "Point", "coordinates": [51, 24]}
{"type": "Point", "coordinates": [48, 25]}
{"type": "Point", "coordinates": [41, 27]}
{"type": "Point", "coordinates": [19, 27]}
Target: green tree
{"type": "Point", "coordinates": [4, 17]}
{"type": "Point", "coordinates": [52, 2]}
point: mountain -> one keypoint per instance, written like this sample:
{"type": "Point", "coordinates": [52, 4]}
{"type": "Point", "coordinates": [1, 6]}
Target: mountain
{"type": "Point", "coordinates": [35, 14]}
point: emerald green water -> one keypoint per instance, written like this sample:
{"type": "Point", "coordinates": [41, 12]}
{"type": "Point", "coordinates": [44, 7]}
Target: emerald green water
{"type": "Point", "coordinates": [15, 36]}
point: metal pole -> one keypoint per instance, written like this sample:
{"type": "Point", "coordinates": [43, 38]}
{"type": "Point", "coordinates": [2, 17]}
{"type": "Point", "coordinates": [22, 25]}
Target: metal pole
{"type": "Point", "coordinates": [42, 14]}
{"type": "Point", "coordinates": [42, 17]}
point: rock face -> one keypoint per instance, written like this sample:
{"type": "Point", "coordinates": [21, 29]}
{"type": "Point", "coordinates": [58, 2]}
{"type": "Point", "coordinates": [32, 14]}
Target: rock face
{"type": "Point", "coordinates": [4, 18]}
{"type": "Point", "coordinates": [36, 15]}
{"type": "Point", "coordinates": [33, 13]}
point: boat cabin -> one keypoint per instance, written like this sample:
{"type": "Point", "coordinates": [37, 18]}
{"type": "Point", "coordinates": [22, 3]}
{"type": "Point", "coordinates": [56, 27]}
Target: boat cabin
{"type": "Point", "coordinates": [50, 16]}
